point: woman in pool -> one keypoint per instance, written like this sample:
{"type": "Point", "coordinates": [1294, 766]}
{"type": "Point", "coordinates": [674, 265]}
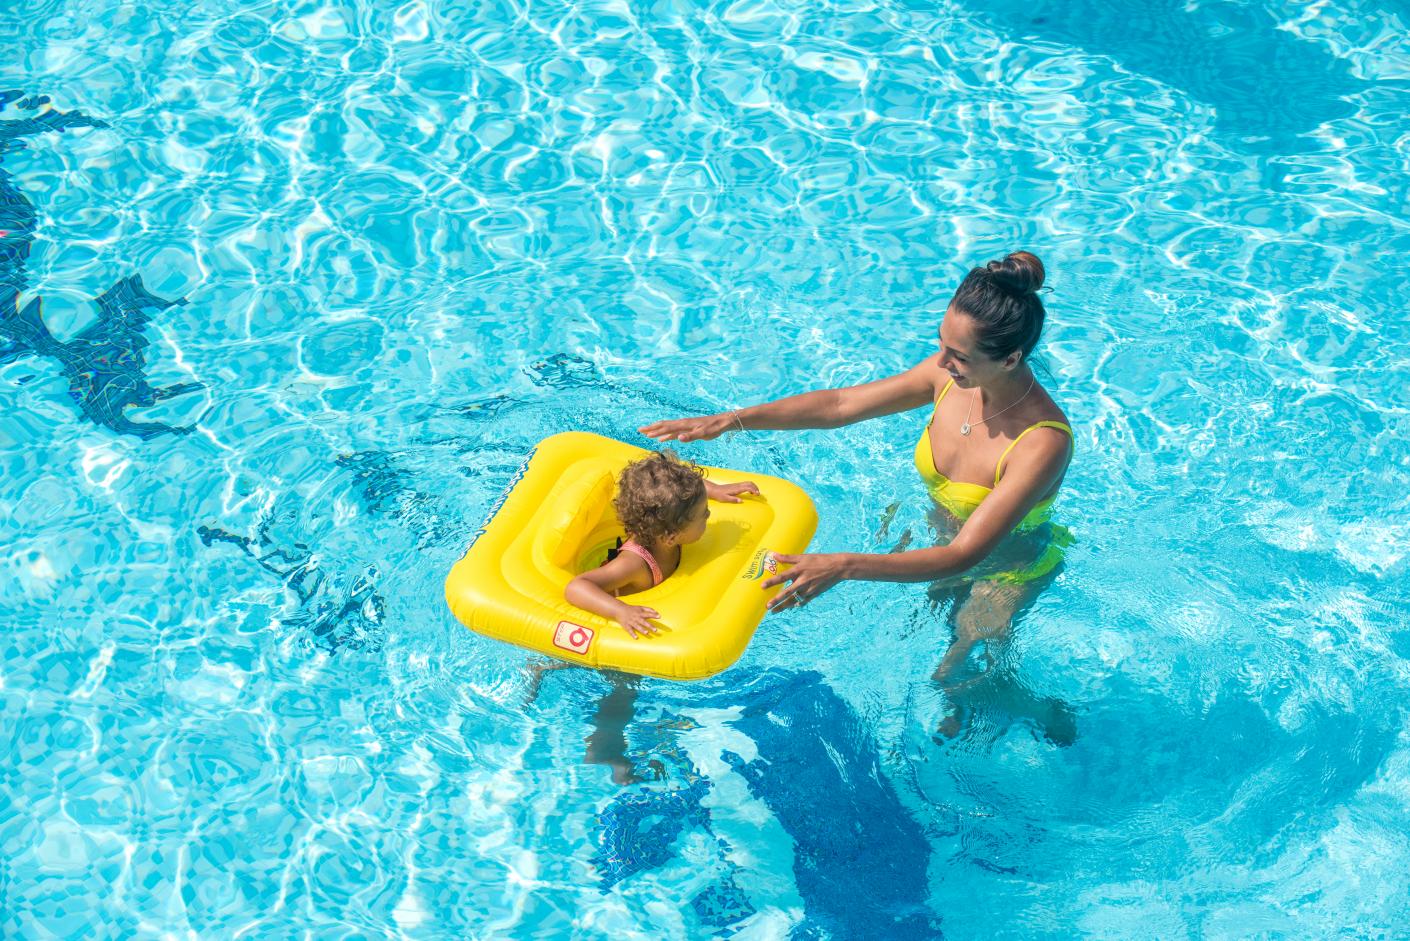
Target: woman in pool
{"type": "Point", "coordinates": [992, 455]}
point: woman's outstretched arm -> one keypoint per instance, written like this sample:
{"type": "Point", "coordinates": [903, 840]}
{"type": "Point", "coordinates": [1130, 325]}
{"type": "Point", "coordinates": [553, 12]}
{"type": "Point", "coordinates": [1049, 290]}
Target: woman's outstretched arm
{"type": "Point", "coordinates": [824, 408]}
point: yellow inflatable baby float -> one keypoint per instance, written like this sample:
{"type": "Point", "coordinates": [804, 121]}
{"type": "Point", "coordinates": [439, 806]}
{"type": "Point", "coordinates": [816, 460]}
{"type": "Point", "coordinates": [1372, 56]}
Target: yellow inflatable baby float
{"type": "Point", "coordinates": [556, 521]}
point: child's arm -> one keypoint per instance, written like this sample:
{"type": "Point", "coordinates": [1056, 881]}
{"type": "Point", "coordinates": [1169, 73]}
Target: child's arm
{"type": "Point", "coordinates": [729, 493]}
{"type": "Point", "coordinates": [592, 591]}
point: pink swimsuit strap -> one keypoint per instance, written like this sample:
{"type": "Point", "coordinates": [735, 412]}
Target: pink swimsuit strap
{"type": "Point", "coordinates": [643, 553]}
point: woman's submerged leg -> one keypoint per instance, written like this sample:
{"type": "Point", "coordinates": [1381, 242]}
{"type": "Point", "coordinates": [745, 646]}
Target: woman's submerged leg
{"type": "Point", "coordinates": [986, 613]}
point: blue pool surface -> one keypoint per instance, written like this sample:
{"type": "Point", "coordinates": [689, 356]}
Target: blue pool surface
{"type": "Point", "coordinates": [313, 278]}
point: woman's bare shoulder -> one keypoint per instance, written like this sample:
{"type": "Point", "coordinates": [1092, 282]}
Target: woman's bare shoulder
{"type": "Point", "coordinates": [1047, 409]}
{"type": "Point", "coordinates": [936, 374]}
{"type": "Point", "coordinates": [928, 366]}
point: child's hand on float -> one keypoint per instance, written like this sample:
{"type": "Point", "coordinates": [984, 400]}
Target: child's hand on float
{"type": "Point", "coordinates": [634, 618]}
{"type": "Point", "coordinates": [730, 493]}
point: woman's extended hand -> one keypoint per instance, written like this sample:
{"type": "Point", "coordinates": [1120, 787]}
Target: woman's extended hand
{"type": "Point", "coordinates": [811, 574]}
{"type": "Point", "coordinates": [700, 428]}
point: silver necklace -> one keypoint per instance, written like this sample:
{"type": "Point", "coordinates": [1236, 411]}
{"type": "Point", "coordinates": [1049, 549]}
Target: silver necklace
{"type": "Point", "coordinates": [965, 428]}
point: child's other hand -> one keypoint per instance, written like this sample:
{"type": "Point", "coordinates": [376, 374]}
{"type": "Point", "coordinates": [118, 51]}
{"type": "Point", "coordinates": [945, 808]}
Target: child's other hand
{"type": "Point", "coordinates": [635, 619]}
{"type": "Point", "coordinates": [730, 493]}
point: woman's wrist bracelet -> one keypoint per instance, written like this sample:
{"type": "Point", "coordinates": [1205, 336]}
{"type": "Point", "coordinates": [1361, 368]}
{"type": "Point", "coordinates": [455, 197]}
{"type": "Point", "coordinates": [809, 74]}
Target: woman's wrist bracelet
{"type": "Point", "coordinates": [737, 420]}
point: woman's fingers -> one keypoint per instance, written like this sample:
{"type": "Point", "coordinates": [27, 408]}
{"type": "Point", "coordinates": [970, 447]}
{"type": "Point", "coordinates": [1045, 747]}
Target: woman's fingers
{"type": "Point", "coordinates": [778, 579]}
{"type": "Point", "coordinates": [808, 576]}
{"type": "Point", "coordinates": [786, 596]}
{"type": "Point", "coordinates": [803, 590]}
{"type": "Point", "coordinates": [792, 573]}
{"type": "Point", "coordinates": [698, 428]}
{"type": "Point", "coordinates": [790, 597]}
{"type": "Point", "coordinates": [679, 429]}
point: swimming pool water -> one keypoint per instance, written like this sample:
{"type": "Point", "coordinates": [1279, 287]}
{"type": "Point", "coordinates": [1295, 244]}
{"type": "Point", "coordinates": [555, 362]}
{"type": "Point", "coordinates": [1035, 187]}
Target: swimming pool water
{"type": "Point", "coordinates": [413, 239]}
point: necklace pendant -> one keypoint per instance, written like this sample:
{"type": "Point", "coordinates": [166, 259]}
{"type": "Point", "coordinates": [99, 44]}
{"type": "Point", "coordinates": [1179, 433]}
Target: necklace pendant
{"type": "Point", "coordinates": [964, 429]}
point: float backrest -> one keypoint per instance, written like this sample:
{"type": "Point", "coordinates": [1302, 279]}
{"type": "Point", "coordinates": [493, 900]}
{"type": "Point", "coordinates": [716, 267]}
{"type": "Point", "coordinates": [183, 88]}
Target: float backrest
{"type": "Point", "coordinates": [576, 509]}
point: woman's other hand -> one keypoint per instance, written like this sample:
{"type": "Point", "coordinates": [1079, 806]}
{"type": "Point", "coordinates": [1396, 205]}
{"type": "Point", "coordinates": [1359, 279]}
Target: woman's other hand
{"type": "Point", "coordinates": [810, 574]}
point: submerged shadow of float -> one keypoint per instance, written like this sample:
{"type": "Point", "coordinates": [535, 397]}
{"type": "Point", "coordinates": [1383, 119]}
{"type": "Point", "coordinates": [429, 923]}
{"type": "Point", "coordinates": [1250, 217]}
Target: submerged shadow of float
{"type": "Point", "coordinates": [105, 364]}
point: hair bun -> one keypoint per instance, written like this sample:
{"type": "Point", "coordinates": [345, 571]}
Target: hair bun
{"type": "Point", "coordinates": [1019, 273]}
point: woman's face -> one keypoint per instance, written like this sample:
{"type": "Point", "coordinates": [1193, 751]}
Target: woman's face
{"type": "Point", "coordinates": [961, 357]}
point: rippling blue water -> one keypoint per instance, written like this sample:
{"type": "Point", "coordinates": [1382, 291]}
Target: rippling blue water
{"type": "Point", "coordinates": [413, 240]}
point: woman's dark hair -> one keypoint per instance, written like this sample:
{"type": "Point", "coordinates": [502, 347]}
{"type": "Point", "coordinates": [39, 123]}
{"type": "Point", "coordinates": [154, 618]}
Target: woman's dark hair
{"type": "Point", "coordinates": [656, 494]}
{"type": "Point", "coordinates": [1002, 297]}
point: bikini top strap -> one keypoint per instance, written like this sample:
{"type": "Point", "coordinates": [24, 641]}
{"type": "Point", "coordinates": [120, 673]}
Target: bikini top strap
{"type": "Point", "coordinates": [999, 468]}
{"type": "Point", "coordinates": [643, 553]}
{"type": "Point", "coordinates": [937, 403]}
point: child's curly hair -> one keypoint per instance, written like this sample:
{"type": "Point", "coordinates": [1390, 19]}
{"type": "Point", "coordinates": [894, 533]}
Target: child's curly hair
{"type": "Point", "coordinates": [656, 494]}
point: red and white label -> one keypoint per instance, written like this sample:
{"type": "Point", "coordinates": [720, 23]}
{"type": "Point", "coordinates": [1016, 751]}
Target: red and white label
{"type": "Point", "coordinates": [574, 637]}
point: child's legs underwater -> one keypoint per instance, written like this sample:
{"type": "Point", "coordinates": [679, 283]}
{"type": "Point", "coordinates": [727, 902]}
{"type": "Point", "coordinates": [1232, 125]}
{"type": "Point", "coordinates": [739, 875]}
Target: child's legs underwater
{"type": "Point", "coordinates": [607, 743]}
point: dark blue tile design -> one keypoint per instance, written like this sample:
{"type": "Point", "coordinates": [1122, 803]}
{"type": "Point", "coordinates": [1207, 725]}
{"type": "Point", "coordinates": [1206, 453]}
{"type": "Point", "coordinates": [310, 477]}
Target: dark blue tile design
{"type": "Point", "coordinates": [333, 615]}
{"type": "Point", "coordinates": [639, 828]}
{"type": "Point", "coordinates": [391, 490]}
{"type": "Point", "coordinates": [860, 859]}
{"type": "Point", "coordinates": [722, 905]}
{"type": "Point", "coordinates": [106, 363]}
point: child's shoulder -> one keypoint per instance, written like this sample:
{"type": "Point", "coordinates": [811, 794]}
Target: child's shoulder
{"type": "Point", "coordinates": [625, 571]}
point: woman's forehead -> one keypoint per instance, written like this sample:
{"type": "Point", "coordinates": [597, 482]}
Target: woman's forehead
{"type": "Point", "coordinates": [957, 329]}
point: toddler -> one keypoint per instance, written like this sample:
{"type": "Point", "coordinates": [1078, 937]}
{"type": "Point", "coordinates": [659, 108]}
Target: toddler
{"type": "Point", "coordinates": [662, 503]}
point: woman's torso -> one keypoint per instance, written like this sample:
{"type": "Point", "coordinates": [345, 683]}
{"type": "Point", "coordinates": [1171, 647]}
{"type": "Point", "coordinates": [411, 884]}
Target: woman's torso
{"type": "Point", "coordinates": [983, 455]}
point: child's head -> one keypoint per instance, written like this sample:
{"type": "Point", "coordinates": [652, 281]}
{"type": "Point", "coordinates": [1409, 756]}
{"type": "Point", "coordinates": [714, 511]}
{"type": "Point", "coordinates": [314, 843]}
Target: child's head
{"type": "Point", "coordinates": [662, 498]}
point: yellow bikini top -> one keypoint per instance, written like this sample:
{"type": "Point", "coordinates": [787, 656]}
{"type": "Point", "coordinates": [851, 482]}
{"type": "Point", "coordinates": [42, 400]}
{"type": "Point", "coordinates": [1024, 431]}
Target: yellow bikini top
{"type": "Point", "coordinates": [962, 498]}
